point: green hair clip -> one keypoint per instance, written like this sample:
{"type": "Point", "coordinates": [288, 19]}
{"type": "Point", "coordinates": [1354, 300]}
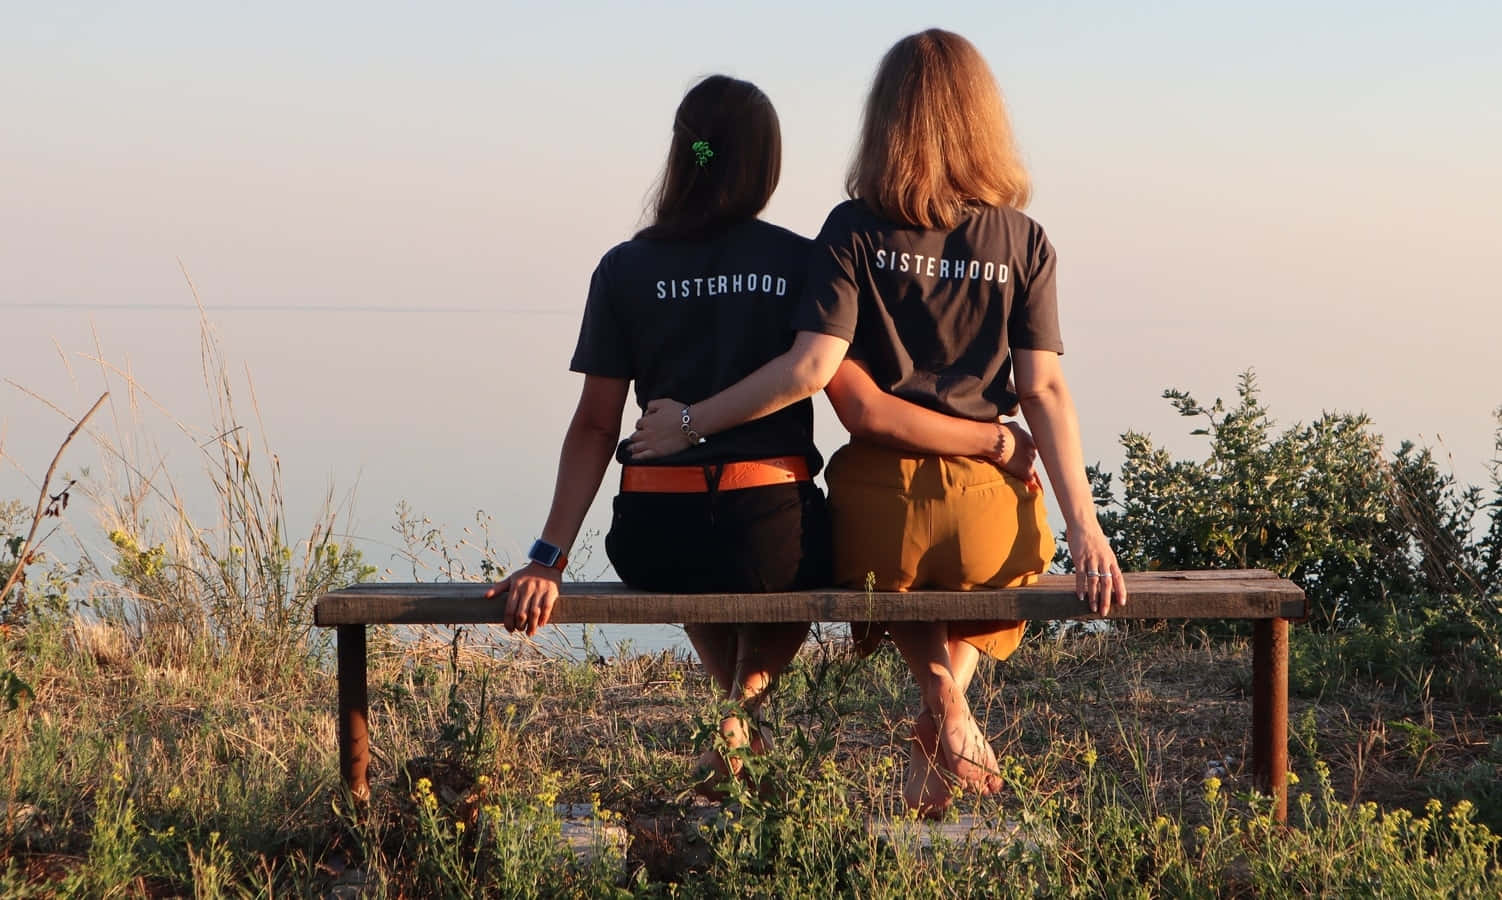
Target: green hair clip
{"type": "Point", "coordinates": [702, 153]}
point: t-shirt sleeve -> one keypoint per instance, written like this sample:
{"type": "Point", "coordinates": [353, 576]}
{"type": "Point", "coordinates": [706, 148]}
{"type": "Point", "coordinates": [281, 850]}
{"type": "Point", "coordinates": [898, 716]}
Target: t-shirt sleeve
{"type": "Point", "coordinates": [830, 303]}
{"type": "Point", "coordinates": [603, 348]}
{"type": "Point", "coordinates": [1034, 321]}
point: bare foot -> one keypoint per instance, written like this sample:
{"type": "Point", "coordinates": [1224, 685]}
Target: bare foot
{"type": "Point", "coordinates": [964, 752]}
{"type": "Point", "coordinates": [926, 790]}
{"type": "Point", "coordinates": [714, 768]}
{"type": "Point", "coordinates": [761, 742]}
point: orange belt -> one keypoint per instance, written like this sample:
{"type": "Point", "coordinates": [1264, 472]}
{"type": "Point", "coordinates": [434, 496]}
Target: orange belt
{"type": "Point", "coordinates": [733, 477]}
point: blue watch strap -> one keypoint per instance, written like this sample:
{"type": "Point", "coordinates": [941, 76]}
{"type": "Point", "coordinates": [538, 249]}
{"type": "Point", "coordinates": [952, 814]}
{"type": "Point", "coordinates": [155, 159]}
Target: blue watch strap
{"type": "Point", "coordinates": [546, 554]}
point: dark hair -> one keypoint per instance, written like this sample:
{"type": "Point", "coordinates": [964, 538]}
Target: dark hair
{"type": "Point", "coordinates": [740, 126]}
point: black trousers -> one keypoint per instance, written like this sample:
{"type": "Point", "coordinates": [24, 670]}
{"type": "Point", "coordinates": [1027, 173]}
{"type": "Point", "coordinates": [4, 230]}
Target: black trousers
{"type": "Point", "coordinates": [773, 538]}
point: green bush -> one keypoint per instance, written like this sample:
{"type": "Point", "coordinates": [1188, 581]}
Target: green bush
{"type": "Point", "coordinates": [1386, 546]}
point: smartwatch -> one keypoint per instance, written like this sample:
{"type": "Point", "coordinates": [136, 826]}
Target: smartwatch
{"type": "Point", "coordinates": [547, 555]}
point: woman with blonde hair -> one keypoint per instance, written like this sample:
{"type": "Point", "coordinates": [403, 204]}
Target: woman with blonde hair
{"type": "Point", "coordinates": [930, 282]}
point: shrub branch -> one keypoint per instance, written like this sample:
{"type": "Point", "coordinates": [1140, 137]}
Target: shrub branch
{"type": "Point", "coordinates": [45, 504]}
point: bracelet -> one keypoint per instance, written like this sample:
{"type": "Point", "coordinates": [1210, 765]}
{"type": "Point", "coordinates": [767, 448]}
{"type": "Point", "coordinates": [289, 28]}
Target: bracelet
{"type": "Point", "coordinates": [999, 455]}
{"type": "Point", "coordinates": [688, 428]}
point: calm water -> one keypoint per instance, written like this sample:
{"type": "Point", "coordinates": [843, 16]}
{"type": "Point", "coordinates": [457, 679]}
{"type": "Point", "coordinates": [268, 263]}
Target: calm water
{"type": "Point", "coordinates": [455, 413]}
{"type": "Point", "coordinates": [458, 413]}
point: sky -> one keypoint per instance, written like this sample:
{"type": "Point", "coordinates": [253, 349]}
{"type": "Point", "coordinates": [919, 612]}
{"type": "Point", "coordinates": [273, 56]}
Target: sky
{"type": "Point", "coordinates": [391, 211]}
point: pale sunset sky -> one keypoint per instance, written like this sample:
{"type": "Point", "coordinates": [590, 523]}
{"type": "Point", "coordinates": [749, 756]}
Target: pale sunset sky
{"type": "Point", "coordinates": [391, 212]}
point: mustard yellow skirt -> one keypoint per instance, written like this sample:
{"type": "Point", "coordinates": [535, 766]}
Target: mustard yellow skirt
{"type": "Point", "coordinates": [935, 522]}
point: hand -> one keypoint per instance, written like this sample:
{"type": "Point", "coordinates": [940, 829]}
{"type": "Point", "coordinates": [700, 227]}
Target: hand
{"type": "Point", "coordinates": [1023, 456]}
{"type": "Point", "coordinates": [659, 432]}
{"type": "Point", "coordinates": [531, 594]}
{"type": "Point", "coordinates": [1097, 578]}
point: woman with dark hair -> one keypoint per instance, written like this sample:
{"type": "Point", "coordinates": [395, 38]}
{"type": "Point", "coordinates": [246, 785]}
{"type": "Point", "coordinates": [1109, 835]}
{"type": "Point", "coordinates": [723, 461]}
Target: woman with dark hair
{"type": "Point", "coordinates": [941, 292]}
{"type": "Point", "coordinates": [696, 301]}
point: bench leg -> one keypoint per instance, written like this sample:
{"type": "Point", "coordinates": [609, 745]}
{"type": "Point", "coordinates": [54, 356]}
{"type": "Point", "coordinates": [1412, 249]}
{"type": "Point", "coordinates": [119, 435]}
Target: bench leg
{"type": "Point", "coordinates": [354, 735]}
{"type": "Point", "coordinates": [1270, 712]}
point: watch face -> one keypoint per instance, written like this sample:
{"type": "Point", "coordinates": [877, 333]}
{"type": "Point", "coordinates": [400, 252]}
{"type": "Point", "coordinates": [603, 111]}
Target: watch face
{"type": "Point", "coordinates": [544, 554]}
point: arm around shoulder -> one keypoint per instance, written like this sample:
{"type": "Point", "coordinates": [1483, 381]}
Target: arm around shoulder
{"type": "Point", "coordinates": [799, 373]}
{"type": "Point", "coordinates": [795, 375]}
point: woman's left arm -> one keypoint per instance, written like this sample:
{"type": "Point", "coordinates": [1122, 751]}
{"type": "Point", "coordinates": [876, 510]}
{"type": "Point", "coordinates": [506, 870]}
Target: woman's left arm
{"type": "Point", "coordinates": [588, 446]}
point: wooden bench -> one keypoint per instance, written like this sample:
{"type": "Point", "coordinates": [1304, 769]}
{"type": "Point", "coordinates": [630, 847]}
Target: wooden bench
{"type": "Point", "coordinates": [1269, 601]}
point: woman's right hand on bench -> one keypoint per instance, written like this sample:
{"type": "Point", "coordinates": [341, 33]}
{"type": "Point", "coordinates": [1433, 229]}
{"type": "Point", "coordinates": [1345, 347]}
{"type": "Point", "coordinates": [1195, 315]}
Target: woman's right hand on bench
{"type": "Point", "coordinates": [530, 595]}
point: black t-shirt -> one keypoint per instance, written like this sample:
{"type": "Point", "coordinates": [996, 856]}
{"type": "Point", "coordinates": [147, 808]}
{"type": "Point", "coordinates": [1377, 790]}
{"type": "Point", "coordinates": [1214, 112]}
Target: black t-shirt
{"type": "Point", "coordinates": [934, 314]}
{"type": "Point", "coordinates": [686, 319]}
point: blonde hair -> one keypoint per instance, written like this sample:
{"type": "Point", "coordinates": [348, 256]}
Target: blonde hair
{"type": "Point", "coordinates": [935, 137]}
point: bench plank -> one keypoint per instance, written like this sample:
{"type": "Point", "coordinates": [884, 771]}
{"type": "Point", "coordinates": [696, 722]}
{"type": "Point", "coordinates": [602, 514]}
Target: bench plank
{"type": "Point", "coordinates": [1227, 594]}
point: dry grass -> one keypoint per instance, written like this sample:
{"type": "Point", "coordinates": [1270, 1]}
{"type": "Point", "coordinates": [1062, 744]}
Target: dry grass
{"type": "Point", "coordinates": [179, 739]}
{"type": "Point", "coordinates": [200, 744]}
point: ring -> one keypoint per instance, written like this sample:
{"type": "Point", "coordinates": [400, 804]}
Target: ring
{"type": "Point", "coordinates": [1094, 574]}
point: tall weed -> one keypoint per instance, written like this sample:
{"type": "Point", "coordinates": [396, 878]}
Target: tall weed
{"type": "Point", "coordinates": [242, 583]}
